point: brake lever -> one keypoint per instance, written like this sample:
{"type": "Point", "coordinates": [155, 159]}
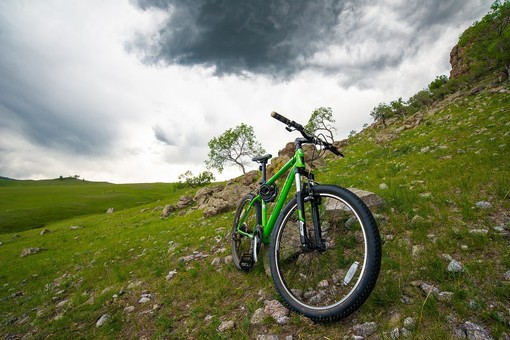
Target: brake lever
{"type": "Point", "coordinates": [288, 128]}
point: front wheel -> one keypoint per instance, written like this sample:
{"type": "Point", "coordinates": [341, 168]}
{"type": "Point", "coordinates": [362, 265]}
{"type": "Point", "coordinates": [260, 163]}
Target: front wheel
{"type": "Point", "coordinates": [331, 282]}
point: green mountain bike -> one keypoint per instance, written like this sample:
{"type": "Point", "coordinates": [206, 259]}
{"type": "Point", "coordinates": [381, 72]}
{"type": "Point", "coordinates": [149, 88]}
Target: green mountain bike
{"type": "Point", "coordinates": [324, 245]}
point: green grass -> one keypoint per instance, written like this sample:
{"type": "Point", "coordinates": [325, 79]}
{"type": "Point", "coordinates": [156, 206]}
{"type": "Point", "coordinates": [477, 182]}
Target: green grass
{"type": "Point", "coordinates": [33, 204]}
{"type": "Point", "coordinates": [131, 251]}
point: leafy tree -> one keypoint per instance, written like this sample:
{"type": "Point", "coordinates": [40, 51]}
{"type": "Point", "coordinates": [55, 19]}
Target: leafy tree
{"type": "Point", "coordinates": [321, 119]}
{"type": "Point", "coordinates": [235, 146]}
{"type": "Point", "coordinates": [398, 107]}
{"type": "Point", "coordinates": [381, 112]}
{"type": "Point", "coordinates": [203, 178]}
{"type": "Point", "coordinates": [487, 42]}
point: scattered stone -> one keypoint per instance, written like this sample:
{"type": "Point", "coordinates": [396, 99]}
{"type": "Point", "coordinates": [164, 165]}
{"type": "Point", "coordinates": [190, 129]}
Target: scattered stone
{"type": "Point", "coordinates": [427, 289]}
{"type": "Point", "coordinates": [383, 186]}
{"type": "Point", "coordinates": [129, 309]}
{"type": "Point", "coordinates": [483, 205]}
{"type": "Point", "coordinates": [409, 323]}
{"type": "Point", "coordinates": [44, 231]}
{"type": "Point", "coordinates": [417, 219]}
{"type": "Point", "coordinates": [30, 251]}
{"type": "Point", "coordinates": [395, 333]}
{"type": "Point", "coordinates": [166, 211]}
{"type": "Point", "coordinates": [102, 320]}
{"type": "Point", "coordinates": [369, 198]}
{"type": "Point", "coordinates": [447, 257]}
{"type": "Point", "coordinates": [365, 330]}
{"type": "Point", "coordinates": [110, 211]}
{"type": "Point", "coordinates": [425, 195]}
{"type": "Point", "coordinates": [479, 231]}
{"type": "Point", "coordinates": [145, 298]}
{"type": "Point", "coordinates": [473, 331]}
{"type": "Point", "coordinates": [133, 285]}
{"type": "Point", "coordinates": [195, 256]}
{"type": "Point", "coordinates": [277, 311]}
{"type": "Point", "coordinates": [208, 318]}
{"type": "Point", "coordinates": [62, 303]}
{"type": "Point", "coordinates": [170, 275]}
{"type": "Point", "coordinates": [258, 316]}
{"type": "Point", "coordinates": [417, 250]}
{"type": "Point", "coordinates": [228, 259]}
{"type": "Point", "coordinates": [75, 227]}
{"type": "Point", "coordinates": [216, 262]}
{"type": "Point", "coordinates": [425, 149]}
{"type": "Point", "coordinates": [226, 325]}
{"type": "Point", "coordinates": [454, 267]}
{"type": "Point", "coordinates": [267, 337]}
{"type": "Point", "coordinates": [506, 276]}
{"type": "Point", "coordinates": [445, 296]}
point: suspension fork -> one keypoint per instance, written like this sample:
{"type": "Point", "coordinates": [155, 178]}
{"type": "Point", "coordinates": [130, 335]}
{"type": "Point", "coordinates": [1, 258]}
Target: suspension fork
{"type": "Point", "coordinates": [315, 200]}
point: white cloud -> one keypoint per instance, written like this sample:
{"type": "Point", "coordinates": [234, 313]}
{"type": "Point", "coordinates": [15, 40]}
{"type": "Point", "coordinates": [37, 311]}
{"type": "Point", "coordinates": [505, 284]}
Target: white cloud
{"type": "Point", "coordinates": [75, 100]}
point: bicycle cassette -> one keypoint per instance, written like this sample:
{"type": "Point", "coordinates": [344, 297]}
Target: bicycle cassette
{"type": "Point", "coordinates": [268, 192]}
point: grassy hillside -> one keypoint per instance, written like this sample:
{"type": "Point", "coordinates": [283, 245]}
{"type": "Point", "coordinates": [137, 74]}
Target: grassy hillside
{"type": "Point", "coordinates": [432, 176]}
{"type": "Point", "coordinates": [32, 204]}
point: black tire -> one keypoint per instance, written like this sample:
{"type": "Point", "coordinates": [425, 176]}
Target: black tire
{"type": "Point", "coordinates": [240, 244]}
{"type": "Point", "coordinates": [316, 283]}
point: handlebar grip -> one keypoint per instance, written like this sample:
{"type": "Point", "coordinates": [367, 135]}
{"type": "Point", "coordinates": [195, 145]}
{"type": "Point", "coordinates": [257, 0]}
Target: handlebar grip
{"type": "Point", "coordinates": [286, 121]}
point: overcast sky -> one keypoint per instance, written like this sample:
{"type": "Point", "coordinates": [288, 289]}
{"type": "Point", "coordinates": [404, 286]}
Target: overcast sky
{"type": "Point", "coordinates": [132, 91]}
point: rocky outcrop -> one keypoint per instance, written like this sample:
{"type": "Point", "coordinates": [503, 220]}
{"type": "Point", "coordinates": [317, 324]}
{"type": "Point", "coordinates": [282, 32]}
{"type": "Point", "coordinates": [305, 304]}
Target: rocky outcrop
{"type": "Point", "coordinates": [458, 62]}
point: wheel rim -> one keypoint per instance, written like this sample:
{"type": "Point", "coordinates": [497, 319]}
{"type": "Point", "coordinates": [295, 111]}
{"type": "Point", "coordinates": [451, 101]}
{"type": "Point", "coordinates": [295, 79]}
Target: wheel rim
{"type": "Point", "coordinates": [322, 280]}
{"type": "Point", "coordinates": [241, 244]}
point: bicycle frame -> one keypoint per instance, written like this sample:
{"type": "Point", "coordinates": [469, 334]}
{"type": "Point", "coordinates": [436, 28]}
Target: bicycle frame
{"type": "Point", "coordinates": [294, 165]}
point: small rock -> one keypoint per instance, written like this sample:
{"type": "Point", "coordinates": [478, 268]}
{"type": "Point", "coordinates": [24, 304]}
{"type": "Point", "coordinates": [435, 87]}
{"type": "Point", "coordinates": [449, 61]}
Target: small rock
{"type": "Point", "coordinates": [228, 259]}
{"type": "Point", "coordinates": [129, 309]}
{"type": "Point", "coordinates": [277, 311]}
{"type": "Point", "coordinates": [445, 296]}
{"type": "Point", "coordinates": [102, 320]}
{"type": "Point", "coordinates": [166, 211]}
{"type": "Point", "coordinates": [409, 323]}
{"type": "Point", "coordinates": [417, 219]}
{"type": "Point", "coordinates": [226, 325]}
{"type": "Point", "coordinates": [475, 332]}
{"type": "Point", "coordinates": [257, 317]}
{"type": "Point", "coordinates": [483, 205]}
{"type": "Point", "coordinates": [267, 337]}
{"type": "Point", "coordinates": [44, 231]}
{"type": "Point", "coordinates": [216, 262]}
{"type": "Point", "coordinates": [110, 211]}
{"type": "Point", "coordinates": [145, 298]}
{"type": "Point", "coordinates": [479, 231]}
{"type": "Point", "coordinates": [170, 275]}
{"type": "Point", "coordinates": [395, 333]}
{"type": "Point", "coordinates": [208, 318]}
{"type": "Point", "coordinates": [366, 329]}
{"type": "Point", "coordinates": [425, 149]}
{"type": "Point", "coordinates": [417, 250]}
{"type": "Point", "coordinates": [506, 276]}
{"type": "Point", "coordinates": [30, 251]}
{"type": "Point", "coordinates": [454, 267]}
{"type": "Point", "coordinates": [383, 186]}
{"type": "Point", "coordinates": [75, 227]}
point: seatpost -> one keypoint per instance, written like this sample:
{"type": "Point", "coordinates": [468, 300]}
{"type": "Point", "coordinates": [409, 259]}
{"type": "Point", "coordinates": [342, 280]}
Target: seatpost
{"type": "Point", "coordinates": [262, 168]}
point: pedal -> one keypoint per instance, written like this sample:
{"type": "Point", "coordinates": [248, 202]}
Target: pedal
{"type": "Point", "coordinates": [246, 261]}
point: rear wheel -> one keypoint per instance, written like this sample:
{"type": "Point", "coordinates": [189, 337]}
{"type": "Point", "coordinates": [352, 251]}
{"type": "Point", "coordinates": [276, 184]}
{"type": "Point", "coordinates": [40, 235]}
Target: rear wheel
{"type": "Point", "coordinates": [330, 283]}
{"type": "Point", "coordinates": [242, 245]}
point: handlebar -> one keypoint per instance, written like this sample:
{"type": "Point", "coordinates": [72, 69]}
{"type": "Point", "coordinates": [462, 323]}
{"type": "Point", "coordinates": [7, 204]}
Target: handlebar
{"type": "Point", "coordinates": [312, 139]}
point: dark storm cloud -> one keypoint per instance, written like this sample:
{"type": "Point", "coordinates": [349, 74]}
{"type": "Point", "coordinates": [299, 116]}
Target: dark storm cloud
{"type": "Point", "coordinates": [283, 37]}
{"type": "Point", "coordinates": [234, 36]}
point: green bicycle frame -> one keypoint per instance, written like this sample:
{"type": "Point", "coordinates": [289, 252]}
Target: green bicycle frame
{"type": "Point", "coordinates": [294, 164]}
